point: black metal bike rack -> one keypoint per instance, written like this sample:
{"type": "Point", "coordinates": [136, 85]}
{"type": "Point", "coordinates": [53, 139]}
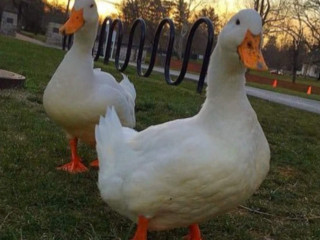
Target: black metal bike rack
{"type": "Point", "coordinates": [165, 21]}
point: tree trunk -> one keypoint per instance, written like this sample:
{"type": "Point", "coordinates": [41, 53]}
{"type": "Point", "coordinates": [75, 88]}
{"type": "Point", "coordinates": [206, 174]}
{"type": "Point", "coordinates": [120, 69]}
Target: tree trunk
{"type": "Point", "coordinates": [67, 10]}
{"type": "Point", "coordinates": [19, 17]}
{"type": "Point", "coordinates": [295, 62]}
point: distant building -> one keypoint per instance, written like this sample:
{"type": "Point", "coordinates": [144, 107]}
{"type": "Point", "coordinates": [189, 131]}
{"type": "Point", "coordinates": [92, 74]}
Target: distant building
{"type": "Point", "coordinates": [9, 20]}
{"type": "Point", "coordinates": [310, 70]}
{"type": "Point", "coordinates": [53, 37]}
{"type": "Point", "coordinates": [312, 67]}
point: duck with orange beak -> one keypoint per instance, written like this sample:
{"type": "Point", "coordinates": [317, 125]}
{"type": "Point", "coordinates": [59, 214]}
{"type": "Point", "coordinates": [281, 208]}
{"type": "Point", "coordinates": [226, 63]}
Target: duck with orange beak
{"type": "Point", "coordinates": [77, 95]}
{"type": "Point", "coordinates": [184, 172]}
{"type": "Point", "coordinates": [74, 23]}
{"type": "Point", "coordinates": [250, 52]}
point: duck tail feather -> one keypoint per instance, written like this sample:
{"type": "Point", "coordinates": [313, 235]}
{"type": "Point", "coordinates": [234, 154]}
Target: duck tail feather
{"type": "Point", "coordinates": [109, 139]}
{"type": "Point", "coordinates": [128, 86]}
{"type": "Point", "coordinates": [112, 148]}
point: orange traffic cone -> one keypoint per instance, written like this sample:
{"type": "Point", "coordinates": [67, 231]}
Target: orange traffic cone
{"type": "Point", "coordinates": [275, 83]}
{"type": "Point", "coordinates": [309, 90]}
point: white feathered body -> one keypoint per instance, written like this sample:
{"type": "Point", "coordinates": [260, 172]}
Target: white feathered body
{"type": "Point", "coordinates": [77, 95]}
{"type": "Point", "coordinates": [186, 171]}
{"type": "Point", "coordinates": [180, 172]}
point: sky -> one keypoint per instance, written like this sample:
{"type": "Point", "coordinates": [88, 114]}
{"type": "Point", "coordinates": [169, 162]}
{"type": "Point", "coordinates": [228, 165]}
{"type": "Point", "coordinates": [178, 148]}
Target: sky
{"type": "Point", "coordinates": [106, 7]}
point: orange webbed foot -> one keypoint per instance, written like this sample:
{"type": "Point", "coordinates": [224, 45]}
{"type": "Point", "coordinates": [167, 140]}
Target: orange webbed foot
{"type": "Point", "coordinates": [141, 232]}
{"type": "Point", "coordinates": [194, 233]}
{"type": "Point", "coordinates": [73, 167]}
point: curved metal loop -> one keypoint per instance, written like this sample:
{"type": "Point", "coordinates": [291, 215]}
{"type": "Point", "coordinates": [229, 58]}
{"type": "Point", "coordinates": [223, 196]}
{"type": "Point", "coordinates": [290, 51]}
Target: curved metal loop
{"type": "Point", "coordinates": [165, 21]}
{"type": "Point", "coordinates": [141, 45]}
{"type": "Point", "coordinates": [207, 54]}
{"type": "Point", "coordinates": [109, 41]}
{"type": "Point", "coordinates": [119, 43]}
{"type": "Point", "coordinates": [156, 43]}
{"type": "Point", "coordinates": [103, 36]}
{"type": "Point", "coordinates": [206, 57]}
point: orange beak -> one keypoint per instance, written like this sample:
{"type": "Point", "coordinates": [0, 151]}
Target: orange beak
{"type": "Point", "coordinates": [250, 52]}
{"type": "Point", "coordinates": [74, 23]}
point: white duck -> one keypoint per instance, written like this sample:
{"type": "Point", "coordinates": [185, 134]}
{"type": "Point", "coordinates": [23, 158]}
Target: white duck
{"type": "Point", "coordinates": [77, 95]}
{"type": "Point", "coordinates": [183, 172]}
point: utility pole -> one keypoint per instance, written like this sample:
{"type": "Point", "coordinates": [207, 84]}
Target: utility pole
{"type": "Point", "coordinates": [66, 37]}
{"type": "Point", "coordinates": [67, 10]}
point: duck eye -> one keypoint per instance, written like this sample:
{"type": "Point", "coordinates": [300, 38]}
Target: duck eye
{"type": "Point", "coordinates": [91, 6]}
{"type": "Point", "coordinates": [238, 22]}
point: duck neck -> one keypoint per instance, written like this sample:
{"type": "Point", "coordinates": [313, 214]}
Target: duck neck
{"type": "Point", "coordinates": [224, 78]}
{"type": "Point", "coordinates": [84, 40]}
{"type": "Point", "coordinates": [226, 85]}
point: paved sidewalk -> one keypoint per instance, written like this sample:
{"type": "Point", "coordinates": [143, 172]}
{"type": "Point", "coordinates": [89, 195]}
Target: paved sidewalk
{"type": "Point", "coordinates": [35, 41]}
{"type": "Point", "coordinates": [29, 39]}
{"type": "Point", "coordinates": [288, 100]}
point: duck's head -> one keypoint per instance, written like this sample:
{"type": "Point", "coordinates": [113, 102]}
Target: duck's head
{"type": "Point", "coordinates": [242, 38]}
{"type": "Point", "coordinates": [83, 13]}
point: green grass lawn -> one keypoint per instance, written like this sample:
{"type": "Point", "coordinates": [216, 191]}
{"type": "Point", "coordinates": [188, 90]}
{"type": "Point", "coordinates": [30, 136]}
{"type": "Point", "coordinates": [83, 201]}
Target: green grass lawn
{"type": "Point", "coordinates": [38, 202]}
{"type": "Point", "coordinates": [300, 79]}
{"type": "Point", "coordinates": [39, 36]}
{"type": "Point", "coordinates": [284, 91]}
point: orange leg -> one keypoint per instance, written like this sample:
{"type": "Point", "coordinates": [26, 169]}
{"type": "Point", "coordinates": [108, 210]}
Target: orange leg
{"type": "Point", "coordinates": [194, 233]}
{"type": "Point", "coordinates": [95, 163]}
{"type": "Point", "coordinates": [141, 232]}
{"type": "Point", "coordinates": [75, 166]}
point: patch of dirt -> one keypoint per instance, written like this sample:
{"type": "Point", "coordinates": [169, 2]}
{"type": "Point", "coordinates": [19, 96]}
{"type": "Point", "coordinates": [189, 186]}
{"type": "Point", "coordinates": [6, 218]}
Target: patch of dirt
{"type": "Point", "coordinates": [287, 171]}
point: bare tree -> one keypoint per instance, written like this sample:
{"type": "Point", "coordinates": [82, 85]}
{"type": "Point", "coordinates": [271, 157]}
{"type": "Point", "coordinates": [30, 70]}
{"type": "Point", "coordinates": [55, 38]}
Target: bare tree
{"type": "Point", "coordinates": [67, 9]}
{"type": "Point", "coordinates": [310, 16]}
{"type": "Point", "coordinates": [272, 54]}
{"type": "Point", "coordinates": [30, 14]}
{"type": "Point", "coordinates": [263, 7]}
{"type": "Point", "coordinates": [273, 13]}
{"type": "Point", "coordinates": [294, 28]}
{"type": "Point", "coordinates": [309, 13]}
{"type": "Point", "coordinates": [208, 12]}
{"type": "Point", "coordinates": [151, 11]}
{"type": "Point", "coordinates": [182, 17]}
{"type": "Point", "coordinates": [201, 35]}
